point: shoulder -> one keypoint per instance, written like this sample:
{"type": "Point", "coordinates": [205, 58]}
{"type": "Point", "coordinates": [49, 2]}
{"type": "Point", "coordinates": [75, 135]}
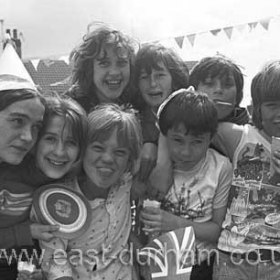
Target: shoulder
{"type": "Point", "coordinates": [218, 160]}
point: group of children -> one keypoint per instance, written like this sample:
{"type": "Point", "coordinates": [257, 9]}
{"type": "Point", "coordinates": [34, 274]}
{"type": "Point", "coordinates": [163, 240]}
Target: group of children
{"type": "Point", "coordinates": [188, 147]}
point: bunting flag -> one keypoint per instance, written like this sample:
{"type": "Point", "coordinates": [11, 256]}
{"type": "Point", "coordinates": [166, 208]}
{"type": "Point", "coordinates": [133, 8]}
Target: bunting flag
{"type": "Point", "coordinates": [265, 23]}
{"type": "Point", "coordinates": [191, 38]}
{"type": "Point", "coordinates": [228, 31]}
{"type": "Point", "coordinates": [216, 31]}
{"type": "Point", "coordinates": [252, 25]}
{"type": "Point", "coordinates": [180, 40]}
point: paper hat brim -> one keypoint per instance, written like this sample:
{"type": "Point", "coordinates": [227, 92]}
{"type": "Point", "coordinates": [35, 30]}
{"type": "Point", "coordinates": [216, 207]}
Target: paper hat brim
{"type": "Point", "coordinates": [13, 74]}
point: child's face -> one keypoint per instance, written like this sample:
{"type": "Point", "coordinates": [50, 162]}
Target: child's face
{"type": "Point", "coordinates": [220, 90]}
{"type": "Point", "coordinates": [111, 73]}
{"type": "Point", "coordinates": [57, 150]}
{"type": "Point", "coordinates": [105, 162]}
{"type": "Point", "coordinates": [157, 86]}
{"type": "Point", "coordinates": [270, 113]}
{"type": "Point", "coordinates": [186, 150]}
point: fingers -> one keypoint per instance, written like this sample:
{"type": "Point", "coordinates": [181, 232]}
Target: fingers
{"type": "Point", "coordinates": [52, 228]}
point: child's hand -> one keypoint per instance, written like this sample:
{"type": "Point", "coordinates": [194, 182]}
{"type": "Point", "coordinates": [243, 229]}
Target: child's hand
{"type": "Point", "coordinates": [43, 232]}
{"type": "Point", "coordinates": [158, 220]}
{"type": "Point", "coordinates": [148, 160]}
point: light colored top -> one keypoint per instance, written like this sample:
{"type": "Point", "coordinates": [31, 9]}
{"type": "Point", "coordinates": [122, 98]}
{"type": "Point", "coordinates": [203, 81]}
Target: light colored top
{"type": "Point", "coordinates": [253, 215]}
{"type": "Point", "coordinates": [102, 251]}
{"type": "Point", "coordinates": [197, 192]}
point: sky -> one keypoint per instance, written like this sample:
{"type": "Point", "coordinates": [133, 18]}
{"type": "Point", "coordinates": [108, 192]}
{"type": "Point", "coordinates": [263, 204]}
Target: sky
{"type": "Point", "coordinates": [52, 28]}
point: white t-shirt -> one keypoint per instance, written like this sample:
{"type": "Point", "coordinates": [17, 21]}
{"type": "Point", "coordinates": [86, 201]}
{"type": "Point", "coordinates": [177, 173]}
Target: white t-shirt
{"type": "Point", "coordinates": [195, 193]}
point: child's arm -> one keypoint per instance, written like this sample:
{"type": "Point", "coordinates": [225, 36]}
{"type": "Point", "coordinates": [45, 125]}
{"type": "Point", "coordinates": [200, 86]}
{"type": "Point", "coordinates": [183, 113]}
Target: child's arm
{"type": "Point", "coordinates": [161, 177]}
{"type": "Point", "coordinates": [227, 138]}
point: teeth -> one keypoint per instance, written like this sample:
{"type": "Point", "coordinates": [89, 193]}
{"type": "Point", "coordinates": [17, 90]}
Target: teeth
{"type": "Point", "coordinates": [114, 82]}
{"type": "Point", "coordinates": [58, 163]}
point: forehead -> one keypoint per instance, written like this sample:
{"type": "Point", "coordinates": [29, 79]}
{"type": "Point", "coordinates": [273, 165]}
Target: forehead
{"type": "Point", "coordinates": [220, 75]}
{"type": "Point", "coordinates": [29, 108]}
{"type": "Point", "coordinates": [157, 65]}
{"type": "Point", "coordinates": [181, 130]}
{"type": "Point", "coordinates": [113, 50]}
{"type": "Point", "coordinates": [115, 135]}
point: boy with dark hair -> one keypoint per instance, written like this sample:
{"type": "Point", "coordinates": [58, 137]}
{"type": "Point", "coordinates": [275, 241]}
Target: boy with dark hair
{"type": "Point", "coordinates": [198, 194]}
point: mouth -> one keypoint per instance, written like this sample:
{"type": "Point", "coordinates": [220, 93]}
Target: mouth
{"type": "Point", "coordinates": [20, 149]}
{"type": "Point", "coordinates": [218, 102]}
{"type": "Point", "coordinates": [113, 84]}
{"type": "Point", "coordinates": [105, 171]}
{"type": "Point", "coordinates": [155, 94]}
{"type": "Point", "coordinates": [57, 163]}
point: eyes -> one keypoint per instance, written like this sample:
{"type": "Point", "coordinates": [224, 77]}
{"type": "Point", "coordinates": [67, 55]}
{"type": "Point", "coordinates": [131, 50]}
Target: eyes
{"type": "Point", "coordinates": [118, 152]}
{"type": "Point", "coordinates": [181, 141]}
{"type": "Point", "coordinates": [156, 75]}
{"type": "Point", "coordinates": [226, 83]}
{"type": "Point", "coordinates": [21, 122]}
{"type": "Point", "coordinates": [53, 139]}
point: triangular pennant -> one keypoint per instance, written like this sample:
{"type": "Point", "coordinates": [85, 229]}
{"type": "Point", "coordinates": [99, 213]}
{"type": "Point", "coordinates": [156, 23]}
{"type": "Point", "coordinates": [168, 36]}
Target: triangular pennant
{"type": "Point", "coordinates": [179, 40]}
{"type": "Point", "coordinates": [191, 38]}
{"type": "Point", "coordinates": [228, 31]}
{"type": "Point", "coordinates": [252, 25]}
{"type": "Point", "coordinates": [35, 63]}
{"type": "Point", "coordinates": [241, 27]}
{"type": "Point", "coordinates": [215, 31]}
{"type": "Point", "coordinates": [265, 23]}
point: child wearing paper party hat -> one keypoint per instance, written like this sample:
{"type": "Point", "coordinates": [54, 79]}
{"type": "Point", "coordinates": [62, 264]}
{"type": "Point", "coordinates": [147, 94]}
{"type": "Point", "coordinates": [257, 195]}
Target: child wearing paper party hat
{"type": "Point", "coordinates": [198, 194]}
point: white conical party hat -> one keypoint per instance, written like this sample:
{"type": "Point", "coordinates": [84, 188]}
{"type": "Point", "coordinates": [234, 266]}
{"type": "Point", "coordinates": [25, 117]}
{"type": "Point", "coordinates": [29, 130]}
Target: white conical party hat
{"type": "Point", "coordinates": [13, 74]}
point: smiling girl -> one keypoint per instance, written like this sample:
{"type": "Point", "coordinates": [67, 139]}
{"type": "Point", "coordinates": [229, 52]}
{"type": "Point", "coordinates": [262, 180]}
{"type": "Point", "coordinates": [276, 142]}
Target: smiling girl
{"type": "Point", "coordinates": [102, 67]}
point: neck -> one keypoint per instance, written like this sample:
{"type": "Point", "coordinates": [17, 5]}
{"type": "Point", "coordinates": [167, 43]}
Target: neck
{"type": "Point", "coordinates": [268, 138]}
{"type": "Point", "coordinates": [91, 190]}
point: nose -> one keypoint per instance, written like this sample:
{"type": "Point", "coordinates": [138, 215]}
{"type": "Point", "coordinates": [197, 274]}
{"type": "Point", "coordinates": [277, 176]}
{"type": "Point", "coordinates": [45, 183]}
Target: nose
{"type": "Point", "coordinates": [107, 156]}
{"type": "Point", "coordinates": [27, 134]}
{"type": "Point", "coordinates": [218, 88]}
{"type": "Point", "coordinates": [114, 69]}
{"type": "Point", "coordinates": [186, 151]}
{"type": "Point", "coordinates": [153, 80]}
{"type": "Point", "coordinates": [59, 149]}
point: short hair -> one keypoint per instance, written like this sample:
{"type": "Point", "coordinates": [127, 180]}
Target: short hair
{"type": "Point", "coordinates": [105, 118]}
{"type": "Point", "coordinates": [265, 87]}
{"type": "Point", "coordinates": [74, 115]}
{"type": "Point", "coordinates": [192, 109]}
{"type": "Point", "coordinates": [218, 67]}
{"type": "Point", "coordinates": [93, 42]}
{"type": "Point", "coordinates": [8, 97]}
{"type": "Point", "coordinates": [151, 54]}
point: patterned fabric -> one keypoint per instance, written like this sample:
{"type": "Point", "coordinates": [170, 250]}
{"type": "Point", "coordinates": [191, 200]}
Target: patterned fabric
{"type": "Point", "coordinates": [102, 251]}
{"type": "Point", "coordinates": [253, 215]}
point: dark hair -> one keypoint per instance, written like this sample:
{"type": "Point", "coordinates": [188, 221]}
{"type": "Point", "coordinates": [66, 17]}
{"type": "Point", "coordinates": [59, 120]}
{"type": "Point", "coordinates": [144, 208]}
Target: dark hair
{"type": "Point", "coordinates": [192, 109]}
{"type": "Point", "coordinates": [218, 67]}
{"type": "Point", "coordinates": [148, 58]}
{"type": "Point", "coordinates": [105, 118]}
{"type": "Point", "coordinates": [265, 87]}
{"type": "Point", "coordinates": [82, 59]}
{"type": "Point", "coordinates": [74, 116]}
{"type": "Point", "coordinates": [8, 97]}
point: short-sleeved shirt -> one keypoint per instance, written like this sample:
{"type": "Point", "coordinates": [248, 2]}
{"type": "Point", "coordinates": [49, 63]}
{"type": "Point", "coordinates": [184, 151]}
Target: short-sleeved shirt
{"type": "Point", "coordinates": [197, 192]}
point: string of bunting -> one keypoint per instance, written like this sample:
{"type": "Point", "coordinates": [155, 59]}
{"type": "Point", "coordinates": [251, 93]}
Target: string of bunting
{"type": "Point", "coordinates": [264, 22]}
